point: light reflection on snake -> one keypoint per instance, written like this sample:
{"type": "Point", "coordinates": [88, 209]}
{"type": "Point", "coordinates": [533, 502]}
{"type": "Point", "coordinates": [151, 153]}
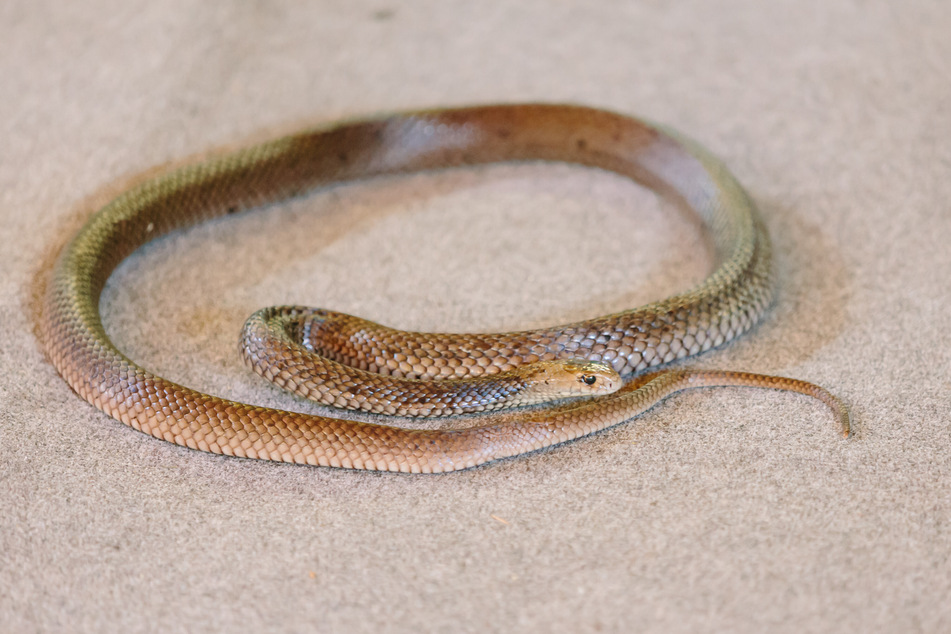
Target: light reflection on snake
{"type": "Point", "coordinates": [367, 360]}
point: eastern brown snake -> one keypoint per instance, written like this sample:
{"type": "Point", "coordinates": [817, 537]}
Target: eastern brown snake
{"type": "Point", "coordinates": [728, 303]}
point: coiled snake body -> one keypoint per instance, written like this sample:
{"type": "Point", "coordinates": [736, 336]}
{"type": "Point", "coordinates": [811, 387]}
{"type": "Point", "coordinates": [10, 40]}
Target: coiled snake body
{"type": "Point", "coordinates": [724, 306]}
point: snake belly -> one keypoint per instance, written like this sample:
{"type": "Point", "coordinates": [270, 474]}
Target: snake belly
{"type": "Point", "coordinates": [728, 303]}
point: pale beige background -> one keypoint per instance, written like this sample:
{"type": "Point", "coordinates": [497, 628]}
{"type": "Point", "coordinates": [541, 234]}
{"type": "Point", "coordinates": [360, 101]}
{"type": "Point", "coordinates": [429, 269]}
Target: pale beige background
{"type": "Point", "coordinates": [725, 510]}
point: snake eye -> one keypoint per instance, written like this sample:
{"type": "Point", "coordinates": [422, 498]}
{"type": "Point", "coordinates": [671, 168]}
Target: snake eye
{"type": "Point", "coordinates": [588, 379]}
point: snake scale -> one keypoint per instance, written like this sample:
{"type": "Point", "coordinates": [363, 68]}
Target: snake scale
{"type": "Point", "coordinates": [631, 343]}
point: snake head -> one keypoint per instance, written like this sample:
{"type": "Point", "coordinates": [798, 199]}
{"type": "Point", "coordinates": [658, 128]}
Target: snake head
{"type": "Point", "coordinates": [573, 377]}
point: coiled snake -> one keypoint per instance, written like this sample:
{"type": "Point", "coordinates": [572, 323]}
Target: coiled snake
{"type": "Point", "coordinates": [588, 357]}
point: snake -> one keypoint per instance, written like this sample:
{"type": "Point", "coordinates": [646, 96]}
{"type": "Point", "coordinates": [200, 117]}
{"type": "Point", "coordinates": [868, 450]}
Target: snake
{"type": "Point", "coordinates": [624, 358]}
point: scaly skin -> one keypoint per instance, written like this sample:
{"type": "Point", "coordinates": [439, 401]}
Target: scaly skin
{"type": "Point", "coordinates": [724, 306]}
{"type": "Point", "coordinates": [272, 346]}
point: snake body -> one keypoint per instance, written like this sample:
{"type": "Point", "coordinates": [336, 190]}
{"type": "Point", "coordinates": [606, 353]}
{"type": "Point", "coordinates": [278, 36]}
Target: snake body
{"type": "Point", "coordinates": [726, 304]}
{"type": "Point", "coordinates": [279, 344]}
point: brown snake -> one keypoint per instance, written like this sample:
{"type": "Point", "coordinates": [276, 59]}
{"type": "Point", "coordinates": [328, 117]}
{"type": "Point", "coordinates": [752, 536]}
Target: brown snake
{"type": "Point", "coordinates": [724, 306]}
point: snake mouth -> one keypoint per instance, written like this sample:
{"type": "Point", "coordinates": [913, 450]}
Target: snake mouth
{"type": "Point", "coordinates": [593, 377]}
